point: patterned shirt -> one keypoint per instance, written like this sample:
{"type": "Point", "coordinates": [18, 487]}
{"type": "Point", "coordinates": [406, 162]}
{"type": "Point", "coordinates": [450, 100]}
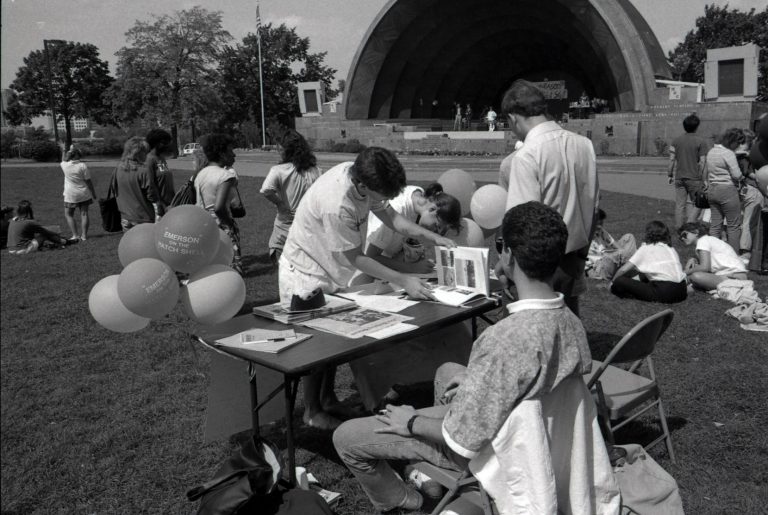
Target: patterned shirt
{"type": "Point", "coordinates": [526, 355]}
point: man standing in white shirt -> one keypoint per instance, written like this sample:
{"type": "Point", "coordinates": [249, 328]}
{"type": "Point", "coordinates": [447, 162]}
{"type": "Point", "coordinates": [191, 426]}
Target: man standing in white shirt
{"type": "Point", "coordinates": [559, 169]}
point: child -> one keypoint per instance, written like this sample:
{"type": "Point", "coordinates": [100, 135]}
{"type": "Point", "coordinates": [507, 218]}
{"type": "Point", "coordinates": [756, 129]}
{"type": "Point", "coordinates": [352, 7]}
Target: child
{"type": "Point", "coordinates": [658, 267]}
{"type": "Point", "coordinates": [324, 248]}
{"type": "Point", "coordinates": [715, 260]}
{"type": "Point", "coordinates": [25, 235]}
{"type": "Point", "coordinates": [539, 346]}
{"type": "Point", "coordinates": [78, 192]}
{"type": "Point", "coordinates": [285, 186]}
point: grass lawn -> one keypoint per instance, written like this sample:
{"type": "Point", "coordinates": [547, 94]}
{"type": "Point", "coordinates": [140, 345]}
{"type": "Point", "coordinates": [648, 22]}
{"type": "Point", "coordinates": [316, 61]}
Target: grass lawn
{"type": "Point", "coordinates": [98, 422]}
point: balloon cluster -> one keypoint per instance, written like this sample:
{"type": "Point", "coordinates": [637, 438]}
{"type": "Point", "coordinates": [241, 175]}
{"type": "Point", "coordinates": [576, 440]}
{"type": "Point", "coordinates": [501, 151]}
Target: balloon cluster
{"type": "Point", "coordinates": [186, 240]}
{"type": "Point", "coordinates": [486, 204]}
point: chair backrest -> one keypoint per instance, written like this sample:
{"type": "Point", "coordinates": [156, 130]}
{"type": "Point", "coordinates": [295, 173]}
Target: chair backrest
{"type": "Point", "coordinates": [638, 343]}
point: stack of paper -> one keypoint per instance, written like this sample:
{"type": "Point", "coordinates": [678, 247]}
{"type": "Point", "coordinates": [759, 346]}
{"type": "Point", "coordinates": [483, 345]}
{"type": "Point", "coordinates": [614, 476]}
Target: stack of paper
{"type": "Point", "coordinates": [280, 313]}
{"type": "Point", "coordinates": [263, 340]}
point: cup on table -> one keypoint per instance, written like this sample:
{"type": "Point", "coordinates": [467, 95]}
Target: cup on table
{"type": "Point", "coordinates": [413, 250]}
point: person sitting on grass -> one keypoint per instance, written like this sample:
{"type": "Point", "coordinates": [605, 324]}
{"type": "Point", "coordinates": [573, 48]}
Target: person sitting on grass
{"type": "Point", "coordinates": [324, 248]}
{"type": "Point", "coordinates": [526, 356]}
{"type": "Point", "coordinates": [715, 260]}
{"type": "Point", "coordinates": [607, 254]}
{"type": "Point", "coordinates": [25, 235]}
{"type": "Point", "coordinates": [656, 265]}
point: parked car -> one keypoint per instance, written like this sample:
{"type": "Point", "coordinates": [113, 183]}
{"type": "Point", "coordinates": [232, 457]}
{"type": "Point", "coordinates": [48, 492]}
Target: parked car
{"type": "Point", "coordinates": [190, 148]}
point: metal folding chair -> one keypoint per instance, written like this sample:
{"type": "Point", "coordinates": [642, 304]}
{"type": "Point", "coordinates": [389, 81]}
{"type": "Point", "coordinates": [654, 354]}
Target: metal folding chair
{"type": "Point", "coordinates": [459, 484]}
{"type": "Point", "coordinates": [621, 394]}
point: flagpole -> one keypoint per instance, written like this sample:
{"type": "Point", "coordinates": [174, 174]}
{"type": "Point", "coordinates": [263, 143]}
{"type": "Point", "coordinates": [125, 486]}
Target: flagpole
{"type": "Point", "coordinates": [261, 80]}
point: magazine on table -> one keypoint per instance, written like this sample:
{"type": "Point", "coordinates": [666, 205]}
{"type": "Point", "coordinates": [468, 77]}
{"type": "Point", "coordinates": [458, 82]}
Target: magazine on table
{"type": "Point", "coordinates": [355, 323]}
{"type": "Point", "coordinates": [463, 275]}
{"type": "Point", "coordinates": [279, 312]}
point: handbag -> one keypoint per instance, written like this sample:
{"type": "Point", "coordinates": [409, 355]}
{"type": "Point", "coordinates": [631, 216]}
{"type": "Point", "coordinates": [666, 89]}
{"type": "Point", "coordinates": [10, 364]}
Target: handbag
{"type": "Point", "coordinates": [646, 488]}
{"type": "Point", "coordinates": [186, 194]}
{"type": "Point", "coordinates": [236, 208]}
{"type": "Point", "coordinates": [700, 199]}
{"type": "Point", "coordinates": [110, 213]}
{"type": "Point", "coordinates": [250, 474]}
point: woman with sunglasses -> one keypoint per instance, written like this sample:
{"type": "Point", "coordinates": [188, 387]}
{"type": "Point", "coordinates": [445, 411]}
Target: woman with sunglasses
{"type": "Point", "coordinates": [715, 260]}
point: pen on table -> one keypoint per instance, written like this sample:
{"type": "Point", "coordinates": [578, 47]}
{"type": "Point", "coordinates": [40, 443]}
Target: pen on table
{"type": "Point", "coordinates": [268, 340]}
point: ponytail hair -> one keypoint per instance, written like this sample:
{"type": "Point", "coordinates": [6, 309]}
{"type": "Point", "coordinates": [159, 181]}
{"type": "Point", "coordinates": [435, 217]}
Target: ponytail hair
{"type": "Point", "coordinates": [448, 206]}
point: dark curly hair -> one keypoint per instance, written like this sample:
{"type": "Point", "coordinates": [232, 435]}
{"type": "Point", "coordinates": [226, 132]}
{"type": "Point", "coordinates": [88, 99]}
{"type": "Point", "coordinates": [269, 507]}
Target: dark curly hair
{"type": "Point", "coordinates": [159, 139]}
{"type": "Point", "coordinates": [448, 206]}
{"type": "Point", "coordinates": [699, 228]}
{"type": "Point", "coordinates": [296, 150]}
{"type": "Point", "coordinates": [657, 232]}
{"type": "Point", "coordinates": [731, 138]}
{"type": "Point", "coordinates": [24, 210]}
{"type": "Point", "coordinates": [380, 170]}
{"type": "Point", "coordinates": [691, 123]}
{"type": "Point", "coordinates": [215, 144]}
{"type": "Point", "coordinates": [536, 236]}
{"type": "Point", "coordinates": [525, 99]}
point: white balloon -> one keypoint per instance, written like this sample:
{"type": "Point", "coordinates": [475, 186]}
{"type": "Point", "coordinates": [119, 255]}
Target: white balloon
{"type": "Point", "coordinates": [213, 294]}
{"type": "Point", "coordinates": [488, 206]}
{"type": "Point", "coordinates": [107, 309]}
{"type": "Point", "coordinates": [471, 234]}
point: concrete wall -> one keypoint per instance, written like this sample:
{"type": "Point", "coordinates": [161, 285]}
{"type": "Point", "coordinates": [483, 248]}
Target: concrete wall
{"type": "Point", "coordinates": [632, 133]}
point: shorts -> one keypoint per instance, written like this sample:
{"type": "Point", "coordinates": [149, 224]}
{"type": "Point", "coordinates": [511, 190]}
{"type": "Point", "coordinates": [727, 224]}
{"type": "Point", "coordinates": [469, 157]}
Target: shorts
{"type": "Point", "coordinates": [292, 281]}
{"type": "Point", "coordinates": [81, 205]}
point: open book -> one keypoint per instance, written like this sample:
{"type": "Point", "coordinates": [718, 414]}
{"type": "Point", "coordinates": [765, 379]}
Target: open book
{"type": "Point", "coordinates": [462, 275]}
{"type": "Point", "coordinates": [280, 313]}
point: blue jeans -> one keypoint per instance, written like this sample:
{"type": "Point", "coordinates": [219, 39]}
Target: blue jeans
{"type": "Point", "coordinates": [684, 189]}
{"type": "Point", "coordinates": [365, 453]}
{"type": "Point", "coordinates": [725, 206]}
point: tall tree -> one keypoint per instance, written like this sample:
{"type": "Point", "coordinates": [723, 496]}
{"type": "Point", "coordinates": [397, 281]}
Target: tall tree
{"type": "Point", "coordinates": [286, 60]}
{"type": "Point", "coordinates": [78, 79]}
{"type": "Point", "coordinates": [167, 73]}
{"type": "Point", "coordinates": [722, 27]}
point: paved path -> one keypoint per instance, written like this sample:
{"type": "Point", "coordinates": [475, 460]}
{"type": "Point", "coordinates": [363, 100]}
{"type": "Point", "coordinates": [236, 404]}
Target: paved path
{"type": "Point", "coordinates": [645, 176]}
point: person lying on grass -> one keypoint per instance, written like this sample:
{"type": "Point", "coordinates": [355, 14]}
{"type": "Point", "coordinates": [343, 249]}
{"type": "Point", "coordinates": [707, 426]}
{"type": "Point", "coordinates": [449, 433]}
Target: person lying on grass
{"type": "Point", "coordinates": [656, 265]}
{"type": "Point", "coordinates": [524, 356]}
{"type": "Point", "coordinates": [715, 259]}
{"type": "Point", "coordinates": [25, 235]}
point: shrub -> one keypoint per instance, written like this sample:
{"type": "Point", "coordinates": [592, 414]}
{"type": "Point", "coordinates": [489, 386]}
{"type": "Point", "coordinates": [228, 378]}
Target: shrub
{"type": "Point", "coordinates": [108, 147]}
{"type": "Point", "coordinates": [353, 146]}
{"type": "Point", "coordinates": [662, 147]}
{"type": "Point", "coordinates": [7, 141]}
{"type": "Point", "coordinates": [40, 150]}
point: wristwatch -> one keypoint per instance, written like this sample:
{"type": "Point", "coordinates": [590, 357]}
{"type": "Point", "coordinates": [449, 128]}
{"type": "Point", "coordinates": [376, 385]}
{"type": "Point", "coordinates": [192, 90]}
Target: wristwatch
{"type": "Point", "coordinates": [409, 425]}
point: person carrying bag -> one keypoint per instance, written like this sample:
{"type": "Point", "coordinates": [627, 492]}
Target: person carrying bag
{"type": "Point", "coordinates": [110, 213]}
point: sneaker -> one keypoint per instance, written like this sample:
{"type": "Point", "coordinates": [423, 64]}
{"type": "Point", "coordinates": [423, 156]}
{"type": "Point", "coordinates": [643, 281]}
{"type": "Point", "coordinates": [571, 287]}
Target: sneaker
{"type": "Point", "coordinates": [72, 241]}
{"type": "Point", "coordinates": [423, 482]}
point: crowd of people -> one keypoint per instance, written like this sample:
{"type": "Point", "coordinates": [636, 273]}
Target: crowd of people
{"type": "Point", "coordinates": [354, 223]}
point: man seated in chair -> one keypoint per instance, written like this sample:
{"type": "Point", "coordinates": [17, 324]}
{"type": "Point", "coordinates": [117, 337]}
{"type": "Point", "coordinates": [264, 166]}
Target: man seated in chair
{"type": "Point", "coordinates": [525, 356]}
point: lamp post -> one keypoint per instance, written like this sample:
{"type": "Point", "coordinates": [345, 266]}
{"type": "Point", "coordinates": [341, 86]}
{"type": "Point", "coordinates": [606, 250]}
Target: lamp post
{"type": "Point", "coordinates": [50, 87]}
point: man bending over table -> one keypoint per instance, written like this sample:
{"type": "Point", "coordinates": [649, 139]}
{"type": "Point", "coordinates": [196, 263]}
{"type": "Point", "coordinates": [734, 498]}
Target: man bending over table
{"type": "Point", "coordinates": [524, 356]}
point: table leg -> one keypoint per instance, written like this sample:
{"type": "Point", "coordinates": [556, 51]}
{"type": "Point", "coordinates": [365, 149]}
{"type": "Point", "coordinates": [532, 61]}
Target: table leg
{"type": "Point", "coordinates": [291, 388]}
{"type": "Point", "coordinates": [254, 399]}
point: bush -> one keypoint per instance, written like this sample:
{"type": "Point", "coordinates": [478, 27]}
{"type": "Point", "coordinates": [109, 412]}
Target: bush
{"type": "Point", "coordinates": [108, 147]}
{"type": "Point", "coordinates": [353, 146]}
{"type": "Point", "coordinates": [7, 141]}
{"type": "Point", "coordinates": [662, 147]}
{"type": "Point", "coordinates": [40, 151]}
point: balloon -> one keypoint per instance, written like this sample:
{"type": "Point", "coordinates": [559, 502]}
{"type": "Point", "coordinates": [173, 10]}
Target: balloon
{"type": "Point", "coordinates": [107, 309]}
{"type": "Point", "coordinates": [225, 252]}
{"type": "Point", "coordinates": [489, 205]}
{"type": "Point", "coordinates": [471, 234]}
{"type": "Point", "coordinates": [137, 243]}
{"type": "Point", "coordinates": [762, 178]}
{"type": "Point", "coordinates": [459, 184]}
{"type": "Point", "coordinates": [187, 238]}
{"type": "Point", "coordinates": [214, 294]}
{"type": "Point", "coordinates": [148, 287]}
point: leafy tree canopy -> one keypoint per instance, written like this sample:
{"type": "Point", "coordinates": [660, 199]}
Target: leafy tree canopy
{"type": "Point", "coordinates": [722, 27]}
{"type": "Point", "coordinates": [286, 60]}
{"type": "Point", "coordinates": [78, 79]}
{"type": "Point", "coordinates": [168, 72]}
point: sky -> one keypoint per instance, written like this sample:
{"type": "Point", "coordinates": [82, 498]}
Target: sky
{"type": "Point", "coordinates": [333, 26]}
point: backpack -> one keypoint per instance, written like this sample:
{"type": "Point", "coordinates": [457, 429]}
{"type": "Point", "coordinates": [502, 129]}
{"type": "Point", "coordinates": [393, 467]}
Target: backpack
{"type": "Point", "coordinates": [186, 194]}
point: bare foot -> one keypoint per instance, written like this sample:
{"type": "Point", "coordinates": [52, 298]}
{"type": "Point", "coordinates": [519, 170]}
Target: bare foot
{"type": "Point", "coordinates": [321, 420]}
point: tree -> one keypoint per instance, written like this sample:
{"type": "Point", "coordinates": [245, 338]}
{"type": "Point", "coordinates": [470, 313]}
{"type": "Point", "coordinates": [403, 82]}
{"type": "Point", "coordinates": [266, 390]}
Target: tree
{"type": "Point", "coordinates": [282, 50]}
{"type": "Point", "coordinates": [722, 27]}
{"type": "Point", "coordinates": [78, 79]}
{"type": "Point", "coordinates": [167, 73]}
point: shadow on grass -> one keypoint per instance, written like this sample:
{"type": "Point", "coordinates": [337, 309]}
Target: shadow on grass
{"type": "Point", "coordinates": [645, 430]}
{"type": "Point", "coordinates": [601, 343]}
{"type": "Point", "coordinates": [257, 265]}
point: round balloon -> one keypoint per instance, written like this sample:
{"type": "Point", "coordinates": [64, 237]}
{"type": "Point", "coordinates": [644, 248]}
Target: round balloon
{"type": "Point", "coordinates": [137, 243]}
{"type": "Point", "coordinates": [488, 206]}
{"type": "Point", "coordinates": [187, 238]}
{"type": "Point", "coordinates": [224, 254]}
{"type": "Point", "coordinates": [459, 184]}
{"type": "Point", "coordinates": [214, 294]}
{"type": "Point", "coordinates": [149, 288]}
{"type": "Point", "coordinates": [762, 179]}
{"type": "Point", "coordinates": [107, 309]}
{"type": "Point", "coordinates": [471, 234]}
